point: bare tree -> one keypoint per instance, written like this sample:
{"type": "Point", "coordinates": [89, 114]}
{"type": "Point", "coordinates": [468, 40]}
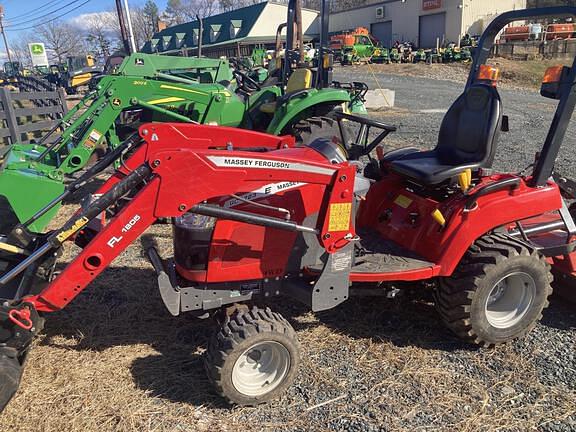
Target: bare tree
{"type": "Point", "coordinates": [144, 22]}
{"type": "Point", "coordinates": [19, 49]}
{"type": "Point", "coordinates": [98, 33]}
{"type": "Point", "coordinates": [61, 40]}
{"type": "Point", "coordinates": [174, 13]}
{"type": "Point", "coordinates": [201, 8]}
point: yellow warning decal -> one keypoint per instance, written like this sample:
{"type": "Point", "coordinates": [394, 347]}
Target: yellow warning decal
{"type": "Point", "coordinates": [76, 227]}
{"type": "Point", "coordinates": [92, 139]}
{"type": "Point", "coordinates": [339, 217]}
{"type": "Point", "coordinates": [403, 201]}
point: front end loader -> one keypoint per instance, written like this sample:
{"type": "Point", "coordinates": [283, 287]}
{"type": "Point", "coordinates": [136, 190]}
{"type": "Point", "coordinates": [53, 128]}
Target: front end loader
{"type": "Point", "coordinates": [148, 88]}
{"type": "Point", "coordinates": [256, 216]}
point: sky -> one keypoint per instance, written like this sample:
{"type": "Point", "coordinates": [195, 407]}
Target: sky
{"type": "Point", "coordinates": [20, 14]}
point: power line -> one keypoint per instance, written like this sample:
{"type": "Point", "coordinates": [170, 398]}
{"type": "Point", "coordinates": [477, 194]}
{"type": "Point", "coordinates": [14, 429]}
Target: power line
{"type": "Point", "coordinates": [42, 16]}
{"type": "Point", "coordinates": [50, 20]}
{"type": "Point", "coordinates": [34, 12]}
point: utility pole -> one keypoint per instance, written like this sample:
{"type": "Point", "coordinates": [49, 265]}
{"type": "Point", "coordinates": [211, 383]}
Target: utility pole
{"type": "Point", "coordinates": [130, 30]}
{"type": "Point", "coordinates": [4, 33]}
{"type": "Point", "coordinates": [200, 32]}
{"type": "Point", "coordinates": [123, 32]}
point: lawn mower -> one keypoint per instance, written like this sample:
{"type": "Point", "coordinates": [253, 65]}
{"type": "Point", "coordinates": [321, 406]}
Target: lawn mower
{"type": "Point", "coordinates": [255, 216]}
{"type": "Point", "coordinates": [395, 56]}
{"type": "Point", "coordinates": [381, 55]}
{"type": "Point", "coordinates": [420, 56]}
{"type": "Point", "coordinates": [159, 88]}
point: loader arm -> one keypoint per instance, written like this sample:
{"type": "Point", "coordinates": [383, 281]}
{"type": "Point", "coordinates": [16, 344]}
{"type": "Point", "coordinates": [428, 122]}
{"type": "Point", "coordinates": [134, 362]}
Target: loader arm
{"type": "Point", "coordinates": [32, 175]}
{"type": "Point", "coordinates": [173, 172]}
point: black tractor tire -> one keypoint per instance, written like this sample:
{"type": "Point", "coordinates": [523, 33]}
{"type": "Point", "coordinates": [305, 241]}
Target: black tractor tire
{"type": "Point", "coordinates": [10, 374]}
{"type": "Point", "coordinates": [310, 129]}
{"type": "Point", "coordinates": [497, 293]}
{"type": "Point", "coordinates": [234, 346]}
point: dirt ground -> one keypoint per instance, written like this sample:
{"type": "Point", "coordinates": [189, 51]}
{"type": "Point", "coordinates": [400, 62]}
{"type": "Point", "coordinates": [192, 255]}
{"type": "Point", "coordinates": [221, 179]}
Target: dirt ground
{"type": "Point", "coordinates": [115, 360]}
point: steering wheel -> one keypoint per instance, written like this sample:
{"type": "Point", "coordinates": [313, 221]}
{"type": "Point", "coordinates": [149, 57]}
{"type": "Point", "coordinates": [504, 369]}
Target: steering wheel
{"type": "Point", "coordinates": [245, 82]}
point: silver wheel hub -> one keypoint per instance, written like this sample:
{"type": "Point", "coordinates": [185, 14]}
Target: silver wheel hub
{"type": "Point", "coordinates": [261, 368]}
{"type": "Point", "coordinates": [510, 299]}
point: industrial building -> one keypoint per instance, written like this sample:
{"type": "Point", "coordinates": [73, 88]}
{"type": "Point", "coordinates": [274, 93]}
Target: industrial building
{"type": "Point", "coordinates": [423, 22]}
{"type": "Point", "coordinates": [230, 34]}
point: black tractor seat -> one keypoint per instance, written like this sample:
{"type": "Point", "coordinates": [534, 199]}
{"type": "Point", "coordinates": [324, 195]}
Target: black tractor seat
{"type": "Point", "coordinates": [467, 140]}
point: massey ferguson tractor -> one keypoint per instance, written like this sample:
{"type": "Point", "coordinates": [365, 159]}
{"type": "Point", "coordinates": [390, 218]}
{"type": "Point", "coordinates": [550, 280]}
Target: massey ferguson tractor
{"type": "Point", "coordinates": [255, 217]}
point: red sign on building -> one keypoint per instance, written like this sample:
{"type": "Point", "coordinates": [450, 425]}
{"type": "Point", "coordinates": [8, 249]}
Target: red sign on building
{"type": "Point", "coordinates": [431, 4]}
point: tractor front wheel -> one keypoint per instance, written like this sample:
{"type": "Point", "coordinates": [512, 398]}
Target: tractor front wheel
{"type": "Point", "coordinates": [497, 293]}
{"type": "Point", "coordinates": [254, 357]}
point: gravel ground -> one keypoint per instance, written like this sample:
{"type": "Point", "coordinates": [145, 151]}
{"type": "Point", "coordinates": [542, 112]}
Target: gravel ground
{"type": "Point", "coordinates": [421, 103]}
{"type": "Point", "coordinates": [115, 360]}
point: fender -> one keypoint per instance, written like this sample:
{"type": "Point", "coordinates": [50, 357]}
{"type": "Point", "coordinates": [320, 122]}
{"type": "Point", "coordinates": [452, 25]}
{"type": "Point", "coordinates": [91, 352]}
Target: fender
{"type": "Point", "coordinates": [292, 111]}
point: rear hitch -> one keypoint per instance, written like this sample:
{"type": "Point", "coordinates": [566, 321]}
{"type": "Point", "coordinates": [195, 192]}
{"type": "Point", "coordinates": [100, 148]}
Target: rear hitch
{"type": "Point", "coordinates": [19, 323]}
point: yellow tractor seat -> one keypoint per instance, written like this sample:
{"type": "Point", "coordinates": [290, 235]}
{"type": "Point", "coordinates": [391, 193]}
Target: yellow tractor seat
{"type": "Point", "coordinates": [301, 79]}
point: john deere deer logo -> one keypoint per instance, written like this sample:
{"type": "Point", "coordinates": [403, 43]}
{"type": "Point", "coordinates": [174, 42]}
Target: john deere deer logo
{"type": "Point", "coordinates": [37, 49]}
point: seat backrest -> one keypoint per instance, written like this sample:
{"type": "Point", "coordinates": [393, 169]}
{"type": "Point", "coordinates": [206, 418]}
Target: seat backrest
{"type": "Point", "coordinates": [300, 79]}
{"type": "Point", "coordinates": [471, 127]}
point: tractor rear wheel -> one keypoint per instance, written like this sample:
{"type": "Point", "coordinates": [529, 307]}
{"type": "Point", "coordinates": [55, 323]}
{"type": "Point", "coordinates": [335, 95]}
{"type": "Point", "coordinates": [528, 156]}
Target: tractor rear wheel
{"type": "Point", "coordinates": [310, 129]}
{"type": "Point", "coordinates": [254, 357]}
{"type": "Point", "coordinates": [497, 293]}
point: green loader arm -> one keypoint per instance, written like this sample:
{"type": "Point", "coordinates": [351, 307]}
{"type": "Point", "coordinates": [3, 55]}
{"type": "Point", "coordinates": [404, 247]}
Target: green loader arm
{"type": "Point", "coordinates": [32, 175]}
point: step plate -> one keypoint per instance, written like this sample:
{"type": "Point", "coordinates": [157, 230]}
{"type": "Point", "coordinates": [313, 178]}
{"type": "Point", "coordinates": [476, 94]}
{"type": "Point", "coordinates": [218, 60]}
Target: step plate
{"type": "Point", "coordinates": [377, 255]}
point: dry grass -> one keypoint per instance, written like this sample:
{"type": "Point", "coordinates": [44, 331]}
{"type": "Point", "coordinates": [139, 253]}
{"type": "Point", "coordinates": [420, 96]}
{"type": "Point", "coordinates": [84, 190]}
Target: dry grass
{"type": "Point", "coordinates": [114, 360]}
{"type": "Point", "coordinates": [514, 73]}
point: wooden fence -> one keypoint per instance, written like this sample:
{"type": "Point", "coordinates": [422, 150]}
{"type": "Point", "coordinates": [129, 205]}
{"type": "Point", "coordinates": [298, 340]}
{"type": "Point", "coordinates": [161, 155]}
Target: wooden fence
{"type": "Point", "coordinates": [25, 115]}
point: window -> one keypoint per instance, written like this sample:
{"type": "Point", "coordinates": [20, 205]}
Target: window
{"type": "Point", "coordinates": [235, 27]}
{"type": "Point", "coordinates": [214, 32]}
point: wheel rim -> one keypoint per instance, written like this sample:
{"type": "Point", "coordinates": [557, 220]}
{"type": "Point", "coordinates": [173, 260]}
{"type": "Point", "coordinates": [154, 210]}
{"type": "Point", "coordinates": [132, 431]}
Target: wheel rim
{"type": "Point", "coordinates": [510, 299]}
{"type": "Point", "coordinates": [261, 368]}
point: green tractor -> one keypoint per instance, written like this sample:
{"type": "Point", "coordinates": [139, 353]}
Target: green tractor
{"type": "Point", "coordinates": [381, 55]}
{"type": "Point", "coordinates": [159, 88]}
{"type": "Point", "coordinates": [358, 47]}
{"type": "Point", "coordinates": [395, 56]}
{"type": "Point", "coordinates": [420, 56]}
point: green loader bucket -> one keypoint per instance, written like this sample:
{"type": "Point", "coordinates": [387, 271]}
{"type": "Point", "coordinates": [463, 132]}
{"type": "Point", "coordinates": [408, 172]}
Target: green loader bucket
{"type": "Point", "coordinates": [22, 194]}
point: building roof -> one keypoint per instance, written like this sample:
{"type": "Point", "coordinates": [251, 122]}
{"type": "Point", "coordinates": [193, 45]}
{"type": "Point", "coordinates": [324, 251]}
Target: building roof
{"type": "Point", "coordinates": [253, 23]}
{"type": "Point", "coordinates": [218, 29]}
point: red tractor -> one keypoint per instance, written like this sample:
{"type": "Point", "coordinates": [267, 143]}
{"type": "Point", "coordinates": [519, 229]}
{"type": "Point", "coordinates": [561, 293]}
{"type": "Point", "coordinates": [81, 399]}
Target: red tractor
{"type": "Point", "coordinates": [255, 217]}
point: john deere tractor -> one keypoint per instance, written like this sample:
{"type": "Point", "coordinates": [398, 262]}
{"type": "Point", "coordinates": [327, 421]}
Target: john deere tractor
{"type": "Point", "coordinates": [160, 88]}
{"type": "Point", "coordinates": [357, 46]}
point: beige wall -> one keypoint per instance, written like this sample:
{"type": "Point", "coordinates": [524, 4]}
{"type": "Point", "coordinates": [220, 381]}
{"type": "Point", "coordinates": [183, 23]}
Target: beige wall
{"type": "Point", "coordinates": [275, 14]}
{"type": "Point", "coordinates": [462, 16]}
{"type": "Point", "coordinates": [476, 15]}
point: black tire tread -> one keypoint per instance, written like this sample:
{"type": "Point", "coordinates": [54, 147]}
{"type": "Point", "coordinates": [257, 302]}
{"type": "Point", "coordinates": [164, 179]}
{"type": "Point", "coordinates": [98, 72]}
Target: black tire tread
{"type": "Point", "coordinates": [453, 297]}
{"type": "Point", "coordinates": [306, 131]}
{"type": "Point", "coordinates": [236, 328]}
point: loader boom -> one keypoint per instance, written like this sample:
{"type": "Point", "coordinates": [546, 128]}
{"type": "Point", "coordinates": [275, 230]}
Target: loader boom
{"type": "Point", "coordinates": [179, 167]}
